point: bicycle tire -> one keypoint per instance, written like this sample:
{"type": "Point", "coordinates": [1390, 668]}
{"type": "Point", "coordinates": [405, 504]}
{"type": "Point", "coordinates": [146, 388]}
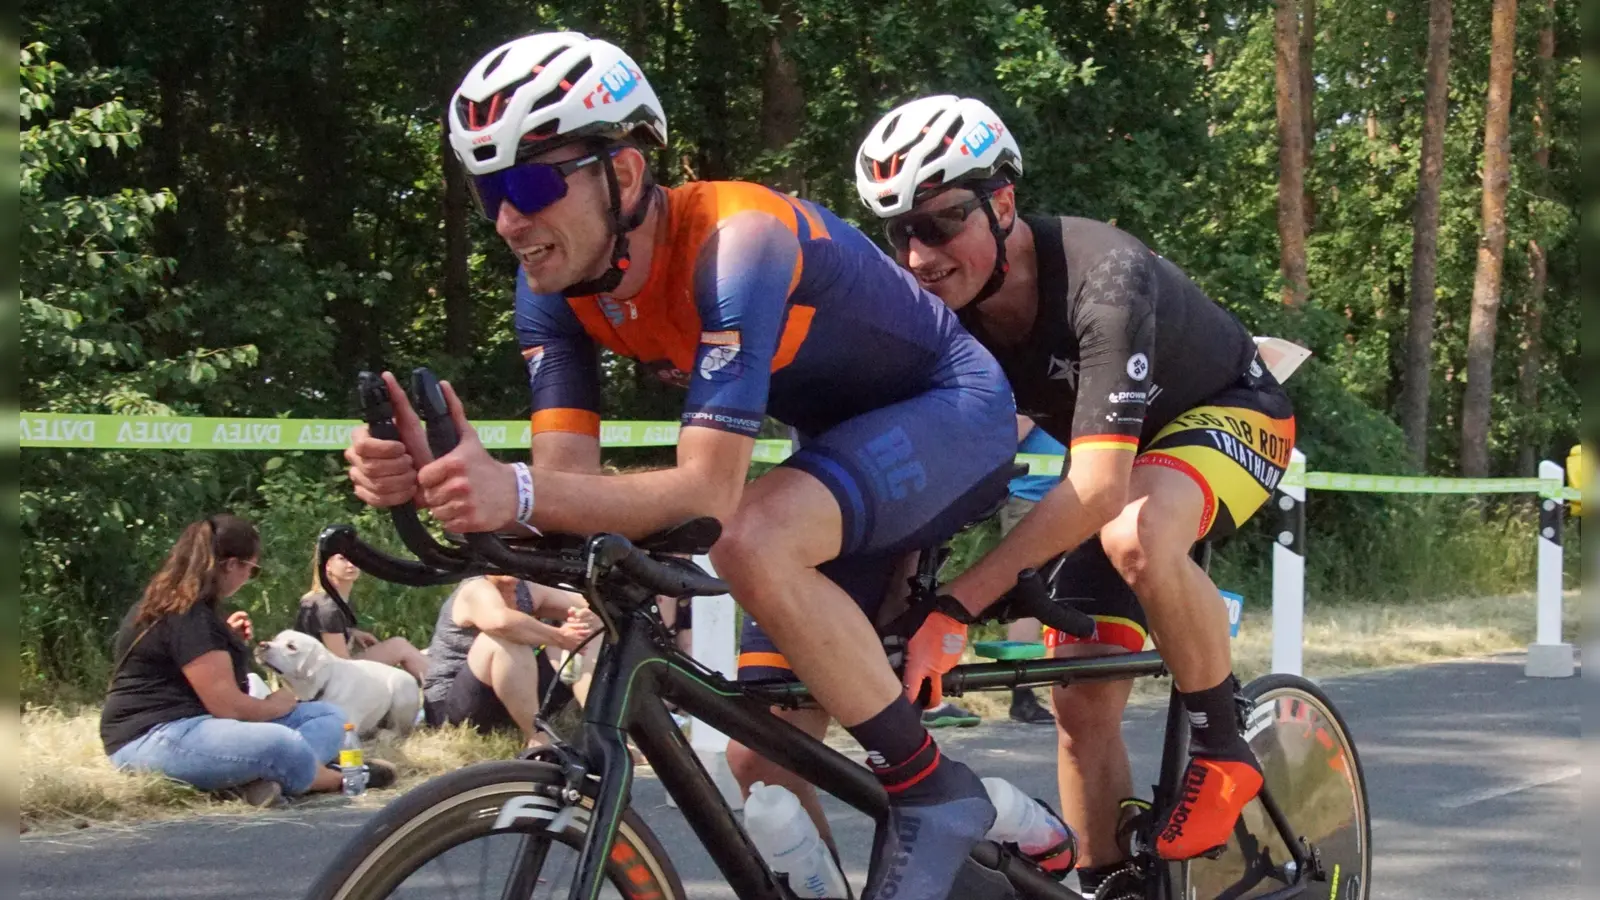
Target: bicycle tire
{"type": "Point", "coordinates": [454, 809]}
{"type": "Point", "coordinates": [1291, 715]}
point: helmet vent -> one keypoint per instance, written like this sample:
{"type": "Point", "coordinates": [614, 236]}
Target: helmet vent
{"type": "Point", "coordinates": [955, 129]}
{"type": "Point", "coordinates": [483, 154]}
{"type": "Point", "coordinates": [555, 94]}
{"type": "Point", "coordinates": [888, 128]}
{"type": "Point", "coordinates": [495, 63]}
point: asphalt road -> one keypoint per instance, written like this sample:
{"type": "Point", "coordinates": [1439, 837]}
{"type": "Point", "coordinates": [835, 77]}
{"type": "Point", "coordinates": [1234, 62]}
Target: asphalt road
{"type": "Point", "coordinates": [1472, 771]}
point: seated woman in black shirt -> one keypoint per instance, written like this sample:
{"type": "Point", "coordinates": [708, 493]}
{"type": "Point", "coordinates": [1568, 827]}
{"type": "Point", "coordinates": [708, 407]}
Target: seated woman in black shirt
{"type": "Point", "coordinates": [178, 703]}
{"type": "Point", "coordinates": [322, 618]}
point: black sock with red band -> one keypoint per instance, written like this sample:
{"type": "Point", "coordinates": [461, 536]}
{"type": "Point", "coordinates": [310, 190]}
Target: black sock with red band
{"type": "Point", "coordinates": [938, 808]}
{"type": "Point", "coordinates": [903, 755]}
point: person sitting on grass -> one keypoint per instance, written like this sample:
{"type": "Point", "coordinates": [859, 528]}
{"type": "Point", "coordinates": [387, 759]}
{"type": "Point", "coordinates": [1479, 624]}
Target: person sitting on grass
{"type": "Point", "coordinates": [178, 703]}
{"type": "Point", "coordinates": [321, 616]}
{"type": "Point", "coordinates": [487, 664]}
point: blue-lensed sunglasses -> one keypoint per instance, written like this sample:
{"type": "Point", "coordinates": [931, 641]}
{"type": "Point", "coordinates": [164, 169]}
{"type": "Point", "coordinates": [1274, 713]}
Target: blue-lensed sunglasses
{"type": "Point", "coordinates": [529, 187]}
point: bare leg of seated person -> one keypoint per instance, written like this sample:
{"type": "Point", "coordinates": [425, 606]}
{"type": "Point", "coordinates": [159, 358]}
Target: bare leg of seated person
{"type": "Point", "coordinates": [397, 651]}
{"type": "Point", "coordinates": [511, 670]}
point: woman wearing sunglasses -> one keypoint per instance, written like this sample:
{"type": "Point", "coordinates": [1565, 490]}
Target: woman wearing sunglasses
{"type": "Point", "coordinates": [178, 702]}
{"type": "Point", "coordinates": [759, 304]}
{"type": "Point", "coordinates": [1176, 432]}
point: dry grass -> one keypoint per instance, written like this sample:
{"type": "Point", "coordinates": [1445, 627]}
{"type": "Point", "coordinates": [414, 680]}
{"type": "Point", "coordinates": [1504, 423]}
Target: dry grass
{"type": "Point", "coordinates": [66, 781]}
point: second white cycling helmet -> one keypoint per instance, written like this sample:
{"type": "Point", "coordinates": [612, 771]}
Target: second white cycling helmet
{"type": "Point", "coordinates": [930, 143]}
{"type": "Point", "coordinates": [541, 90]}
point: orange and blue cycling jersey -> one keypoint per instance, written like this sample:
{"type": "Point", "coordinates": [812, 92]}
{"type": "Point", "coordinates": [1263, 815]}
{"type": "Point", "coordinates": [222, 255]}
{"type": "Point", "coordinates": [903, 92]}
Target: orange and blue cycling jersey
{"type": "Point", "coordinates": [757, 302]}
{"type": "Point", "coordinates": [761, 304]}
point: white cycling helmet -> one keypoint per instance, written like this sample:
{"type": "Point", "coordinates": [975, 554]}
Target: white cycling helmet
{"type": "Point", "coordinates": [554, 87]}
{"type": "Point", "coordinates": [931, 143]}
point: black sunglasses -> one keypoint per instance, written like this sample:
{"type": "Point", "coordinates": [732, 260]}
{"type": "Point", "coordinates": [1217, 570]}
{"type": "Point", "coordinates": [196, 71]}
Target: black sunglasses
{"type": "Point", "coordinates": [933, 229]}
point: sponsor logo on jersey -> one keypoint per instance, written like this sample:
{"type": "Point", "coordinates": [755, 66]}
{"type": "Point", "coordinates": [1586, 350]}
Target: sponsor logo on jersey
{"type": "Point", "coordinates": [1255, 368]}
{"type": "Point", "coordinates": [535, 358]}
{"type": "Point", "coordinates": [1138, 367]}
{"type": "Point", "coordinates": [719, 355]}
{"type": "Point", "coordinates": [1127, 397]}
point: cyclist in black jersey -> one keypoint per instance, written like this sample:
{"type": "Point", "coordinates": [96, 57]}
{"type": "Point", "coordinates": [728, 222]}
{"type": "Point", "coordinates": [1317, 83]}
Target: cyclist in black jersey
{"type": "Point", "coordinates": [1176, 430]}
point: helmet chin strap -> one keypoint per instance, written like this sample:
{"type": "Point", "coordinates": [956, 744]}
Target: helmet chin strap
{"type": "Point", "coordinates": [1001, 267]}
{"type": "Point", "coordinates": [619, 227]}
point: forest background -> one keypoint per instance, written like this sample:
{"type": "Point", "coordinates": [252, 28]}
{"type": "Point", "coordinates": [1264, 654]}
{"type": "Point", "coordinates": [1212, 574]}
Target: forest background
{"type": "Point", "coordinates": [228, 207]}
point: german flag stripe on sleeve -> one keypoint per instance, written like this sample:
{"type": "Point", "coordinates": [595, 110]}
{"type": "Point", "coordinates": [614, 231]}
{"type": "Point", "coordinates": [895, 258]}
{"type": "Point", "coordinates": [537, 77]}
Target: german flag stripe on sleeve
{"type": "Point", "coordinates": [1128, 442]}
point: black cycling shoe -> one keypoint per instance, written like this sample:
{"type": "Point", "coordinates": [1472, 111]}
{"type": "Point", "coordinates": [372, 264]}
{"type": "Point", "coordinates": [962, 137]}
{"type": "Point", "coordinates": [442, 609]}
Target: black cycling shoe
{"type": "Point", "coordinates": [1027, 709]}
{"type": "Point", "coordinates": [919, 847]}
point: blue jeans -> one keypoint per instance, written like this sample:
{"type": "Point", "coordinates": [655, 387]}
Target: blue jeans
{"type": "Point", "coordinates": [212, 753]}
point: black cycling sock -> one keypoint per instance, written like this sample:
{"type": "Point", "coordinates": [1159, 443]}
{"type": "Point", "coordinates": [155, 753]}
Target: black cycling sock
{"type": "Point", "coordinates": [902, 754]}
{"type": "Point", "coordinates": [1214, 723]}
{"type": "Point", "coordinates": [938, 808]}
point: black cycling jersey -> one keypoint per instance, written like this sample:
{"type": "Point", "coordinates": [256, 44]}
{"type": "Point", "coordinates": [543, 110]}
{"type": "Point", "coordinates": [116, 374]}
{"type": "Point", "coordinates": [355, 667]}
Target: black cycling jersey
{"type": "Point", "coordinates": [1123, 342]}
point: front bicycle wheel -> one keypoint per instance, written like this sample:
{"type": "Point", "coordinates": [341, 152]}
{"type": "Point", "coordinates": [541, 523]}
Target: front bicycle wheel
{"type": "Point", "coordinates": [1314, 774]}
{"type": "Point", "coordinates": [491, 831]}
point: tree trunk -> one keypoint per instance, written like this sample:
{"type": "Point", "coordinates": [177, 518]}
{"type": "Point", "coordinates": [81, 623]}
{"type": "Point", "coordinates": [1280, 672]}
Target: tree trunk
{"type": "Point", "coordinates": [1308, 94]}
{"type": "Point", "coordinates": [1538, 269]}
{"type": "Point", "coordinates": [783, 100]}
{"type": "Point", "coordinates": [1425, 236]}
{"type": "Point", "coordinates": [457, 286]}
{"type": "Point", "coordinates": [1491, 244]}
{"type": "Point", "coordinates": [716, 41]}
{"type": "Point", "coordinates": [1291, 157]}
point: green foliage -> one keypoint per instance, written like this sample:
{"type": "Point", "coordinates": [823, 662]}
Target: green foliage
{"type": "Point", "coordinates": [230, 207]}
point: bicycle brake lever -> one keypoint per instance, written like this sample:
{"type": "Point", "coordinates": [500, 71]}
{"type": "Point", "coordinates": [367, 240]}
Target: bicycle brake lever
{"type": "Point", "coordinates": [428, 397]}
{"type": "Point", "coordinates": [376, 409]}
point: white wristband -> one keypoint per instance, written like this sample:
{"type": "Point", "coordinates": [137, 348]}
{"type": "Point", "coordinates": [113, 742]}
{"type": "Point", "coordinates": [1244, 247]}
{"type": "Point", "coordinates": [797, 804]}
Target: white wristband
{"type": "Point", "coordinates": [524, 493]}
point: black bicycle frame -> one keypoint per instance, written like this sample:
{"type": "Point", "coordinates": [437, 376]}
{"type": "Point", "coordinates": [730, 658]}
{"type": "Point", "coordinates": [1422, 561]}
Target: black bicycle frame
{"type": "Point", "coordinates": [639, 671]}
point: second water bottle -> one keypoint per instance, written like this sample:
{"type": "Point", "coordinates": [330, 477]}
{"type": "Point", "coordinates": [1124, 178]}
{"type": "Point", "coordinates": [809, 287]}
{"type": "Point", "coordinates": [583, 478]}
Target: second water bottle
{"type": "Point", "coordinates": [787, 839]}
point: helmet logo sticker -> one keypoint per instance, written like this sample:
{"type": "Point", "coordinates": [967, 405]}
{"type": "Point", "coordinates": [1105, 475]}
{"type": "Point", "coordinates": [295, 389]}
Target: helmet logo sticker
{"type": "Point", "coordinates": [617, 83]}
{"type": "Point", "coordinates": [980, 138]}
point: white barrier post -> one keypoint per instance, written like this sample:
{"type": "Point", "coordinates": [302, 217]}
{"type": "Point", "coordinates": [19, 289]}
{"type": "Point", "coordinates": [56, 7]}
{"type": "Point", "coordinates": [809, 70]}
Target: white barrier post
{"type": "Point", "coordinates": [1548, 656]}
{"type": "Point", "coordinates": [1289, 575]}
{"type": "Point", "coordinates": [715, 645]}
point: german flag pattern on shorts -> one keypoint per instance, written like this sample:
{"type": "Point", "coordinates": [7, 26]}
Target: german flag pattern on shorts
{"type": "Point", "coordinates": [1236, 454]}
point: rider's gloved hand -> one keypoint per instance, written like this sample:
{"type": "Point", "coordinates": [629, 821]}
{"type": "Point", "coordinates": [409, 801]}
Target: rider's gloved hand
{"type": "Point", "coordinates": [935, 649]}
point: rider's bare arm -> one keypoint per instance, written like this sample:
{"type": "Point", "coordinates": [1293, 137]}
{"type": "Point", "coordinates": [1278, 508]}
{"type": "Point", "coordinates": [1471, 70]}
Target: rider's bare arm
{"type": "Point", "coordinates": [563, 451]}
{"type": "Point", "coordinates": [707, 481]}
{"type": "Point", "coordinates": [1092, 494]}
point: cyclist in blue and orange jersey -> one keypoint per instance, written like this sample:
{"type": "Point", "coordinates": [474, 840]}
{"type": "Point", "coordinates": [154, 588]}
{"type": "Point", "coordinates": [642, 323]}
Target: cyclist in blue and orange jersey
{"type": "Point", "coordinates": [1176, 433]}
{"type": "Point", "coordinates": [759, 304]}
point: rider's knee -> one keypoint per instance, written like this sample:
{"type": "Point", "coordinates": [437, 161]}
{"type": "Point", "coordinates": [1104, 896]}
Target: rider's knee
{"type": "Point", "coordinates": [1089, 716]}
{"type": "Point", "coordinates": [749, 545]}
{"type": "Point", "coordinates": [1126, 545]}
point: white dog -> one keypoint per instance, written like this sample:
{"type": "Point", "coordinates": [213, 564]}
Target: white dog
{"type": "Point", "coordinates": [372, 694]}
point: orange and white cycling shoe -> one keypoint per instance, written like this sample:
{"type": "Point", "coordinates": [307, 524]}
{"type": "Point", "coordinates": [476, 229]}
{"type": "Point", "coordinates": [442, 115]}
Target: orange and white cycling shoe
{"type": "Point", "coordinates": [1214, 794]}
